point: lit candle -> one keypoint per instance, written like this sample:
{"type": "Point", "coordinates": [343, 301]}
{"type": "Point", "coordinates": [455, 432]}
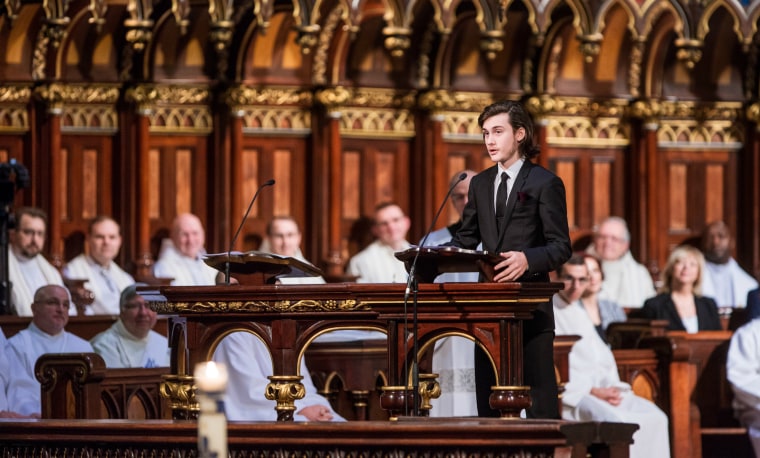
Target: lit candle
{"type": "Point", "coordinates": [211, 377]}
{"type": "Point", "coordinates": [211, 384]}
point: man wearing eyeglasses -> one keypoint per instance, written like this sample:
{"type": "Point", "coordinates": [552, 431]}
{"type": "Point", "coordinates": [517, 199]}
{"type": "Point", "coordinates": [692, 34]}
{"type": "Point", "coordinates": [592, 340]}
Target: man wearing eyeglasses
{"type": "Point", "coordinates": [131, 341]}
{"type": "Point", "coordinates": [626, 281]}
{"type": "Point", "coordinates": [45, 334]}
{"type": "Point", "coordinates": [28, 269]}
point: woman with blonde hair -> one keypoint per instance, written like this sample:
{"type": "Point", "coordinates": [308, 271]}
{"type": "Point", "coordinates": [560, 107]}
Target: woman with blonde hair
{"type": "Point", "coordinates": [681, 301]}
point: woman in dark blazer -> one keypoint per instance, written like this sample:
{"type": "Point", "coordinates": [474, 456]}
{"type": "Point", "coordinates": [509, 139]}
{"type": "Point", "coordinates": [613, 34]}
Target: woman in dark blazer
{"type": "Point", "coordinates": [681, 302]}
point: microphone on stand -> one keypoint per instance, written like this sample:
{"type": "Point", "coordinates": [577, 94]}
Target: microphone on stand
{"type": "Point", "coordinates": [411, 280]}
{"type": "Point", "coordinates": [269, 182]}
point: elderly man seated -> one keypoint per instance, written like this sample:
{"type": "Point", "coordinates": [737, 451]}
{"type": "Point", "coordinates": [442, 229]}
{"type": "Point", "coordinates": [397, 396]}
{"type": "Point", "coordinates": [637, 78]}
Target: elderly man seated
{"type": "Point", "coordinates": [131, 341]}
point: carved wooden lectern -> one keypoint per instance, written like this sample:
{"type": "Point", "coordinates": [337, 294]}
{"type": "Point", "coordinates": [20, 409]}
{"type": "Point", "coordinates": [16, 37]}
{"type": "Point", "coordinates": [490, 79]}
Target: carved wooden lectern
{"type": "Point", "coordinates": [288, 317]}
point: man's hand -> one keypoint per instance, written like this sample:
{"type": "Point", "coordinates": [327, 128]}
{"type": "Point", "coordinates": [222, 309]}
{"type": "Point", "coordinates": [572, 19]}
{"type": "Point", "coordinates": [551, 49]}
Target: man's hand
{"type": "Point", "coordinates": [611, 395]}
{"type": "Point", "coordinates": [316, 412]}
{"type": "Point", "coordinates": [512, 267]}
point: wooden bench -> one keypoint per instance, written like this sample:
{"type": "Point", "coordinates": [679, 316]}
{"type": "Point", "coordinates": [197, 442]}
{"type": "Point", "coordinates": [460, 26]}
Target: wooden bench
{"type": "Point", "coordinates": [78, 385]}
{"type": "Point", "coordinates": [697, 395]}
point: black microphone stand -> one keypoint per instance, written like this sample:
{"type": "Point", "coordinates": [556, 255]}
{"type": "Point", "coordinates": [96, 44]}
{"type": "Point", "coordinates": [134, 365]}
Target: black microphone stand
{"type": "Point", "coordinates": [240, 227]}
{"type": "Point", "coordinates": [412, 283]}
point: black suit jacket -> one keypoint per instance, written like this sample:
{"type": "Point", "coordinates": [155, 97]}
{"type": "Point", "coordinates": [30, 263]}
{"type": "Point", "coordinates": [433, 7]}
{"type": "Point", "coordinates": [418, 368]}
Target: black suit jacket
{"type": "Point", "coordinates": [661, 307]}
{"type": "Point", "coordinates": [536, 219]}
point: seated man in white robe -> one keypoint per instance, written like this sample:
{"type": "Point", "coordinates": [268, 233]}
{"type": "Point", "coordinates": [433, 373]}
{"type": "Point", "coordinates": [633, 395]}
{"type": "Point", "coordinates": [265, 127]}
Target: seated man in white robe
{"type": "Point", "coordinates": [104, 277]}
{"type": "Point", "coordinates": [28, 269]}
{"type": "Point", "coordinates": [22, 387]}
{"type": "Point", "coordinates": [182, 257]}
{"type": "Point", "coordinates": [723, 278]}
{"type": "Point", "coordinates": [248, 365]}
{"type": "Point", "coordinates": [131, 341]}
{"type": "Point", "coordinates": [377, 263]}
{"type": "Point", "coordinates": [743, 373]}
{"type": "Point", "coordinates": [626, 281]}
{"type": "Point", "coordinates": [595, 391]}
{"type": "Point", "coordinates": [45, 334]}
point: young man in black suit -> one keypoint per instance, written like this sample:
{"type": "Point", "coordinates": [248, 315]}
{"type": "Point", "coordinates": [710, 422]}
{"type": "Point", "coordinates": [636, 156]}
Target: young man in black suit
{"type": "Point", "coordinates": [522, 216]}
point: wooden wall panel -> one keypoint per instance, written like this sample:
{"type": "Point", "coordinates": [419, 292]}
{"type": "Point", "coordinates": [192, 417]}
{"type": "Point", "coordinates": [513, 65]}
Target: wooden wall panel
{"type": "Point", "coordinates": [281, 159]}
{"type": "Point", "coordinates": [594, 186]}
{"type": "Point", "coordinates": [180, 177]}
{"type": "Point", "coordinates": [701, 187]}
{"type": "Point", "coordinates": [86, 187]}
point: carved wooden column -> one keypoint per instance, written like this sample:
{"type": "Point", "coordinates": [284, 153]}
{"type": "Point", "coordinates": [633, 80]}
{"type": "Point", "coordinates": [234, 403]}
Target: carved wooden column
{"type": "Point", "coordinates": [332, 100]}
{"type": "Point", "coordinates": [143, 96]}
{"type": "Point", "coordinates": [52, 96]}
{"type": "Point", "coordinates": [237, 199]}
{"type": "Point", "coordinates": [642, 220]}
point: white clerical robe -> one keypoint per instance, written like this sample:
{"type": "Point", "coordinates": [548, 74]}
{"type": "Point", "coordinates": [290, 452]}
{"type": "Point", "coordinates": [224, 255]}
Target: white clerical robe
{"type": "Point", "coordinates": [119, 348]}
{"type": "Point", "coordinates": [453, 357]}
{"type": "Point", "coordinates": [184, 270]}
{"type": "Point", "coordinates": [5, 370]}
{"type": "Point", "coordinates": [106, 283]}
{"type": "Point", "coordinates": [626, 282]}
{"type": "Point", "coordinates": [27, 275]}
{"type": "Point", "coordinates": [24, 349]}
{"type": "Point", "coordinates": [248, 364]}
{"type": "Point", "coordinates": [743, 373]}
{"type": "Point", "coordinates": [592, 364]}
{"type": "Point", "coordinates": [378, 264]}
{"type": "Point", "coordinates": [727, 283]}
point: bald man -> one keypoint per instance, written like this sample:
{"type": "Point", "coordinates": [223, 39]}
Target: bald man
{"type": "Point", "coordinates": [45, 334]}
{"type": "Point", "coordinates": [182, 259]}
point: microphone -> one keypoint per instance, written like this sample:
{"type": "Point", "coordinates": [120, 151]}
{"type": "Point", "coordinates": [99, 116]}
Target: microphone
{"type": "Point", "coordinates": [413, 268]}
{"type": "Point", "coordinates": [269, 182]}
{"type": "Point", "coordinates": [409, 281]}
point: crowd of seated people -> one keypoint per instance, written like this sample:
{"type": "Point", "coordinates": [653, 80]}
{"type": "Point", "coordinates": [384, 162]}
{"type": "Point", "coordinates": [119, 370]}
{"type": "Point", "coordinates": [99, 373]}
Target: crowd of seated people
{"type": "Point", "coordinates": [694, 283]}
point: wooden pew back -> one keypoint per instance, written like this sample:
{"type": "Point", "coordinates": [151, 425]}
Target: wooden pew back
{"type": "Point", "coordinates": [78, 385]}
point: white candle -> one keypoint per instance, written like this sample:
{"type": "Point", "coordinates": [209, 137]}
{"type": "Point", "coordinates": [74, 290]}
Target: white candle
{"type": "Point", "coordinates": [211, 382]}
{"type": "Point", "coordinates": [210, 377]}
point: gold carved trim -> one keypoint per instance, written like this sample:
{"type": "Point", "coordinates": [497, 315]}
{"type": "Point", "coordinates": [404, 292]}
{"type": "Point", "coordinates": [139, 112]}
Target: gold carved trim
{"type": "Point", "coordinates": [181, 119]}
{"type": "Point", "coordinates": [547, 106]}
{"type": "Point", "coordinates": [284, 120]}
{"type": "Point", "coordinates": [586, 132]}
{"type": "Point", "coordinates": [370, 122]}
{"type": "Point", "coordinates": [241, 96]}
{"type": "Point", "coordinates": [693, 134]}
{"type": "Point", "coordinates": [94, 119]}
{"type": "Point", "coordinates": [14, 112]}
{"type": "Point", "coordinates": [462, 101]}
{"type": "Point", "coordinates": [461, 126]}
{"type": "Point", "coordinates": [307, 305]}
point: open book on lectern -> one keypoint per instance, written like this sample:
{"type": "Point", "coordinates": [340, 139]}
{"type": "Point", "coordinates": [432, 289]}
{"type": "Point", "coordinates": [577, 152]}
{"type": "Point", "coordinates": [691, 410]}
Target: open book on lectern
{"type": "Point", "coordinates": [257, 267]}
{"type": "Point", "coordinates": [436, 260]}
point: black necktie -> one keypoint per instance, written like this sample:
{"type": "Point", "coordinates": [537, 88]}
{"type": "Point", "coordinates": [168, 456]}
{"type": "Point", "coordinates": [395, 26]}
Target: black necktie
{"type": "Point", "coordinates": [501, 201]}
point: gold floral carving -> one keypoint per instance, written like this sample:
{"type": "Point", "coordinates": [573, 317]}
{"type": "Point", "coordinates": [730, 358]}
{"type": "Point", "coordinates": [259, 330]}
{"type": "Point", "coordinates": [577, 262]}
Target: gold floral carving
{"type": "Point", "coordinates": [492, 43]}
{"type": "Point", "coordinates": [242, 96]}
{"type": "Point", "coordinates": [547, 105]}
{"type": "Point", "coordinates": [14, 114]}
{"type": "Point", "coordinates": [461, 125]}
{"type": "Point", "coordinates": [309, 305]}
{"type": "Point", "coordinates": [308, 37]}
{"type": "Point", "coordinates": [584, 132]}
{"type": "Point", "coordinates": [289, 120]}
{"type": "Point", "coordinates": [442, 100]}
{"type": "Point", "coordinates": [334, 97]}
{"type": "Point", "coordinates": [689, 51]}
{"type": "Point", "coordinates": [179, 390]}
{"type": "Point", "coordinates": [397, 40]}
{"type": "Point", "coordinates": [285, 390]}
{"type": "Point", "coordinates": [375, 121]}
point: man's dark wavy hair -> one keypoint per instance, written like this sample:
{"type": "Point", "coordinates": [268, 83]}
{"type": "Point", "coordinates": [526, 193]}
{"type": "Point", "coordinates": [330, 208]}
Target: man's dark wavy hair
{"type": "Point", "coordinates": [518, 117]}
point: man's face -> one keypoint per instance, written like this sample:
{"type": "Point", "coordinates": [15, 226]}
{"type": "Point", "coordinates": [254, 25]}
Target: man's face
{"type": "Point", "coordinates": [391, 225]}
{"type": "Point", "coordinates": [29, 237]}
{"type": "Point", "coordinates": [575, 279]}
{"type": "Point", "coordinates": [137, 317]}
{"type": "Point", "coordinates": [459, 195]}
{"type": "Point", "coordinates": [50, 311]}
{"type": "Point", "coordinates": [104, 242]}
{"type": "Point", "coordinates": [502, 141]}
{"type": "Point", "coordinates": [717, 244]}
{"type": "Point", "coordinates": [188, 236]}
{"type": "Point", "coordinates": [284, 237]}
{"type": "Point", "coordinates": [610, 241]}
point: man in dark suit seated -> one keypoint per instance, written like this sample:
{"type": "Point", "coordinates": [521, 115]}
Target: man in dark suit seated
{"type": "Point", "coordinates": [518, 209]}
